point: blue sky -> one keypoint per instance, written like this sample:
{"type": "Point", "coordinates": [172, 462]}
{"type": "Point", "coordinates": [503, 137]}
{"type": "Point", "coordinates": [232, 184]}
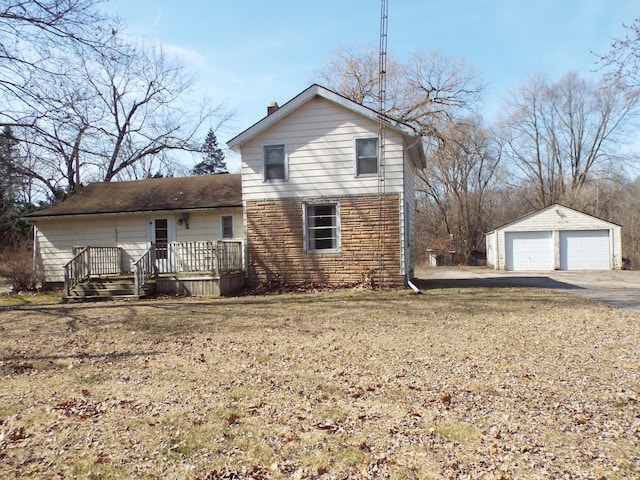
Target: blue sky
{"type": "Point", "coordinates": [251, 52]}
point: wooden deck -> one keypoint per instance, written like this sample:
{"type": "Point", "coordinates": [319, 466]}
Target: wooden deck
{"type": "Point", "coordinates": [212, 268]}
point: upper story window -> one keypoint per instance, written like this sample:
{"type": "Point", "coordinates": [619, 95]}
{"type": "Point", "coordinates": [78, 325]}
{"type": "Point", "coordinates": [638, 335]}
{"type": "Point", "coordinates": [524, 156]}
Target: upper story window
{"type": "Point", "coordinates": [274, 162]}
{"type": "Point", "coordinates": [321, 228]}
{"type": "Point", "coordinates": [366, 156]}
{"type": "Point", "coordinates": [227, 226]}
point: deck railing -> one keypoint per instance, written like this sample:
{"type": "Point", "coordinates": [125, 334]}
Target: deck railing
{"type": "Point", "coordinates": [215, 257]}
{"type": "Point", "coordinates": [230, 256]}
{"type": "Point", "coordinates": [212, 257]}
{"type": "Point", "coordinates": [92, 261]}
{"type": "Point", "coordinates": [144, 269]}
{"type": "Point", "coordinates": [181, 257]}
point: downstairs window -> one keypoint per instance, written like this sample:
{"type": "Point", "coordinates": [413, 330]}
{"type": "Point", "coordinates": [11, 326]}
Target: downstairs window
{"type": "Point", "coordinates": [321, 227]}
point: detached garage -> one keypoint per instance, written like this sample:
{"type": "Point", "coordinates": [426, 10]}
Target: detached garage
{"type": "Point", "coordinates": [555, 238]}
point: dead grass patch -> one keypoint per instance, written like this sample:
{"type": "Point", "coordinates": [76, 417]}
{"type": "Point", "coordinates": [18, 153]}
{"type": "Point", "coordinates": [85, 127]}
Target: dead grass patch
{"type": "Point", "coordinates": [471, 383]}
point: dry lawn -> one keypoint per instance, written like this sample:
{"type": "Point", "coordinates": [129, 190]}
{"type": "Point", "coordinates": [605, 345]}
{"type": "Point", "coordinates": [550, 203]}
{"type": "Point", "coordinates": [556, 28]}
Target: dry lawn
{"type": "Point", "coordinates": [474, 383]}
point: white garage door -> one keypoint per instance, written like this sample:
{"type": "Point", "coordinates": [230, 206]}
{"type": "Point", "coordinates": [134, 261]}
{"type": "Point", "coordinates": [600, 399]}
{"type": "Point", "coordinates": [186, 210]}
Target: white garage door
{"type": "Point", "coordinates": [584, 250]}
{"type": "Point", "coordinates": [529, 250]}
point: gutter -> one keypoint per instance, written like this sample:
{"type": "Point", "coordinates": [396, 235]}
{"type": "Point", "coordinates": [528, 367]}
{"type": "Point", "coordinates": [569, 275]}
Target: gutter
{"type": "Point", "coordinates": [31, 218]}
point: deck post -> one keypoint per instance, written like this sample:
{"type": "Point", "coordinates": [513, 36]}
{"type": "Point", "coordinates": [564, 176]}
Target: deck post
{"type": "Point", "coordinates": [218, 250]}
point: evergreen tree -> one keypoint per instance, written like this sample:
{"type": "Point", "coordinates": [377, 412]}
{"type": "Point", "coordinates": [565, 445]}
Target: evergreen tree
{"type": "Point", "coordinates": [214, 161]}
{"type": "Point", "coordinates": [7, 158]}
{"type": "Point", "coordinates": [13, 230]}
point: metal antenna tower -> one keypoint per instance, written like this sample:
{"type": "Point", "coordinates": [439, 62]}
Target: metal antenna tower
{"type": "Point", "coordinates": [382, 112]}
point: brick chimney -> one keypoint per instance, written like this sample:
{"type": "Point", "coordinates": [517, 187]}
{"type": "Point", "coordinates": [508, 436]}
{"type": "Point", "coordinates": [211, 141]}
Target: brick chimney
{"type": "Point", "coordinates": [273, 106]}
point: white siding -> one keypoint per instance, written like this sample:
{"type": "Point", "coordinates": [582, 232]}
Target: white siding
{"type": "Point", "coordinates": [57, 237]}
{"type": "Point", "coordinates": [320, 139]}
{"type": "Point", "coordinates": [492, 253]}
{"type": "Point", "coordinates": [131, 237]}
{"type": "Point", "coordinates": [408, 225]}
{"type": "Point", "coordinates": [207, 226]}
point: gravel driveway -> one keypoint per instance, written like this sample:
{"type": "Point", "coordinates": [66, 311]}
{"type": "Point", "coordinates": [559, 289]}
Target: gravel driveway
{"type": "Point", "coordinates": [618, 288]}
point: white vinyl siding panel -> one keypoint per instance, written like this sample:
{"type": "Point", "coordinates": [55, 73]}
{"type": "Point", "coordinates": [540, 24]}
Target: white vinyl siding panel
{"type": "Point", "coordinates": [208, 226]}
{"type": "Point", "coordinates": [491, 249]}
{"type": "Point", "coordinates": [57, 237]}
{"type": "Point", "coordinates": [321, 153]}
{"type": "Point", "coordinates": [132, 238]}
{"type": "Point", "coordinates": [408, 219]}
{"type": "Point", "coordinates": [584, 250]}
{"type": "Point", "coordinates": [529, 251]}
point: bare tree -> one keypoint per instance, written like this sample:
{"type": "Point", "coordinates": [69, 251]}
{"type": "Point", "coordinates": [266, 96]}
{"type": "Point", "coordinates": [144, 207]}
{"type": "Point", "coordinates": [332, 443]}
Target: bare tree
{"type": "Point", "coordinates": [428, 91]}
{"type": "Point", "coordinates": [142, 96]}
{"type": "Point", "coordinates": [560, 136]}
{"type": "Point", "coordinates": [88, 104]}
{"type": "Point", "coordinates": [628, 215]}
{"type": "Point", "coordinates": [457, 186]}
{"type": "Point", "coordinates": [354, 73]}
{"type": "Point", "coordinates": [116, 115]}
{"type": "Point", "coordinates": [623, 58]}
{"type": "Point", "coordinates": [36, 37]}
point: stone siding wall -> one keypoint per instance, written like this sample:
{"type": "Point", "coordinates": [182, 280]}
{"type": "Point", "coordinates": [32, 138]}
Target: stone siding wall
{"type": "Point", "coordinates": [276, 249]}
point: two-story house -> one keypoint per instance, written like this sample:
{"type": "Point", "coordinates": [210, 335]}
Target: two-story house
{"type": "Point", "coordinates": [328, 193]}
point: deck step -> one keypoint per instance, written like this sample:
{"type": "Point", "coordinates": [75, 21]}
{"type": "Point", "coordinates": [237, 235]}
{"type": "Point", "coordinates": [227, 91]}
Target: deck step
{"type": "Point", "coordinates": [107, 287]}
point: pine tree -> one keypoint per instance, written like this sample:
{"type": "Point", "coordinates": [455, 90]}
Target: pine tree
{"type": "Point", "coordinates": [13, 230]}
{"type": "Point", "coordinates": [214, 161]}
{"type": "Point", "coordinates": [7, 158]}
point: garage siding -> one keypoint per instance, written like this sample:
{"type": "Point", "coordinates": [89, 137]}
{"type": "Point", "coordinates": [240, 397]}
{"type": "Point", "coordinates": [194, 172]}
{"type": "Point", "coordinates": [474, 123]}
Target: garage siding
{"type": "Point", "coordinates": [559, 222]}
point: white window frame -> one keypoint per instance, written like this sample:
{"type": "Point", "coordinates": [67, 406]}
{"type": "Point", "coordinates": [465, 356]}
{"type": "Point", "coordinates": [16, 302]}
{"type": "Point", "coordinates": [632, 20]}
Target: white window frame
{"type": "Point", "coordinates": [356, 166]}
{"type": "Point", "coordinates": [222, 235]}
{"type": "Point", "coordinates": [284, 159]}
{"type": "Point", "coordinates": [308, 238]}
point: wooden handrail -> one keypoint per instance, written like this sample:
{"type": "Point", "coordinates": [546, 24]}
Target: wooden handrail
{"type": "Point", "coordinates": [144, 268]}
{"type": "Point", "coordinates": [76, 270]}
{"type": "Point", "coordinates": [91, 261]}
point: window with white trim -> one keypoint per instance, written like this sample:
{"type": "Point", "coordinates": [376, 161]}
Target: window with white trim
{"type": "Point", "coordinates": [226, 222]}
{"type": "Point", "coordinates": [321, 227]}
{"type": "Point", "coordinates": [275, 162]}
{"type": "Point", "coordinates": [366, 156]}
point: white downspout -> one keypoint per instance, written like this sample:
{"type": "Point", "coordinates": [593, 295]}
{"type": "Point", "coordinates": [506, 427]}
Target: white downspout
{"type": "Point", "coordinates": [36, 248]}
{"type": "Point", "coordinates": [411, 285]}
{"type": "Point", "coordinates": [415, 289]}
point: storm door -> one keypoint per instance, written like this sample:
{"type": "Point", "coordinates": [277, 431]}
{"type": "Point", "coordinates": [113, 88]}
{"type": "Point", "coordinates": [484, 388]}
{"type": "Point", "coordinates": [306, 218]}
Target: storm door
{"type": "Point", "coordinates": [161, 234]}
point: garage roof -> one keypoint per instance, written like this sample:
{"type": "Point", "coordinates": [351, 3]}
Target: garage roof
{"type": "Point", "coordinates": [550, 207]}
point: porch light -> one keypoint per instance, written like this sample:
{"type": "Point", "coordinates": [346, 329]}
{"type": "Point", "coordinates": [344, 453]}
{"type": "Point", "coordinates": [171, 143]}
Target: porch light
{"type": "Point", "coordinates": [184, 219]}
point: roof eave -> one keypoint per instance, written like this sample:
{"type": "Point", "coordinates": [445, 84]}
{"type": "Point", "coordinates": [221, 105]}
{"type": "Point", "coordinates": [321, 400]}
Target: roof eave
{"type": "Point", "coordinates": [306, 96]}
{"type": "Point", "coordinates": [32, 217]}
{"type": "Point", "coordinates": [548, 207]}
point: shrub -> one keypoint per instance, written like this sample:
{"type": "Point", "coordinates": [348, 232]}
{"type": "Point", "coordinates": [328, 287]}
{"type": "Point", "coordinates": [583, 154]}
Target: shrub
{"type": "Point", "coordinates": [16, 265]}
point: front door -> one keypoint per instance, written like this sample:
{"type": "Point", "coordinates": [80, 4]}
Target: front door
{"type": "Point", "coordinates": [162, 233]}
